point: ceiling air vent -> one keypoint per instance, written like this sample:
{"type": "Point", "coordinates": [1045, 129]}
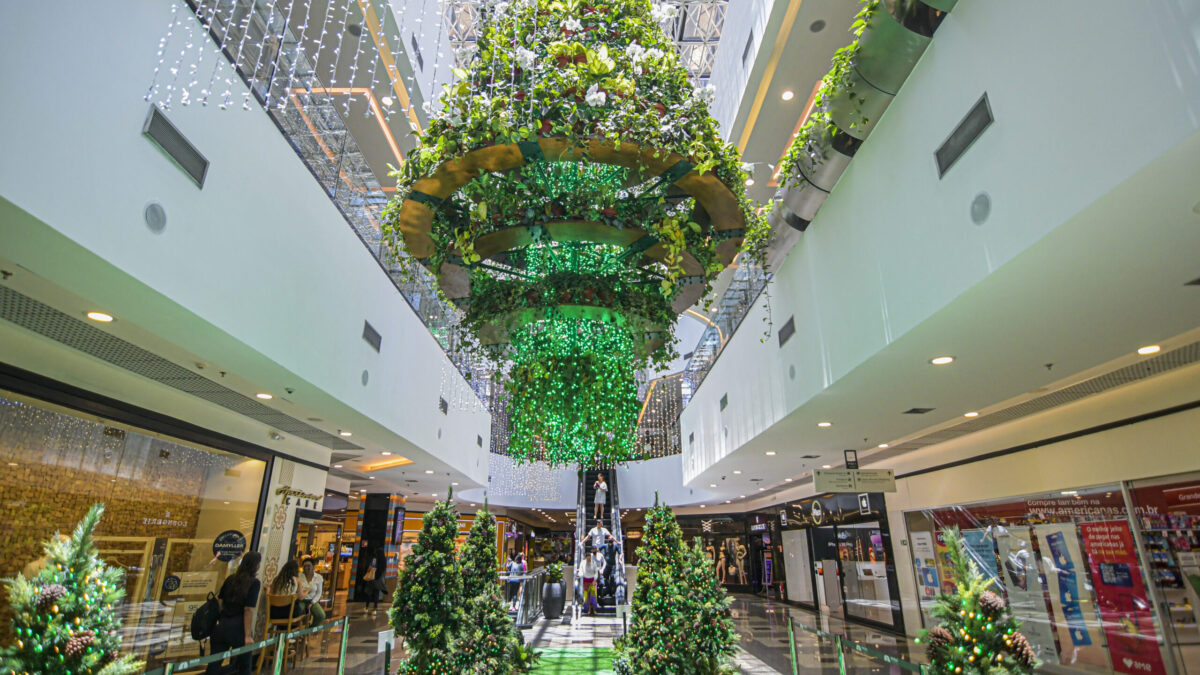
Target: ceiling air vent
{"type": "Point", "coordinates": [371, 336]}
{"type": "Point", "coordinates": [747, 48]}
{"type": "Point", "coordinates": [166, 136]}
{"type": "Point", "coordinates": [809, 456]}
{"type": "Point", "coordinates": [970, 128]}
{"type": "Point", "coordinates": [1193, 282]}
{"type": "Point", "coordinates": [788, 330]}
{"type": "Point", "coordinates": [443, 406]}
{"type": "Point", "coordinates": [417, 51]}
{"type": "Point", "coordinates": [724, 401]}
{"type": "Point", "coordinates": [479, 440]}
{"type": "Point", "coordinates": [917, 411]}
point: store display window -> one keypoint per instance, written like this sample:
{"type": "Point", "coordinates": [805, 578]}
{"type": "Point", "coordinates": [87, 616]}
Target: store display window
{"type": "Point", "coordinates": [177, 517]}
{"type": "Point", "coordinates": [1089, 584]}
{"type": "Point", "coordinates": [726, 545]}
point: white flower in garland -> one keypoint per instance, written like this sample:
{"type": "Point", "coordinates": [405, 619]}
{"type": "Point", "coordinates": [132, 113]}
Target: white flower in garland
{"type": "Point", "coordinates": [661, 12]}
{"type": "Point", "coordinates": [595, 97]}
{"type": "Point", "coordinates": [634, 51]}
{"type": "Point", "coordinates": [705, 94]}
{"type": "Point", "coordinates": [526, 58]}
{"type": "Point", "coordinates": [572, 24]}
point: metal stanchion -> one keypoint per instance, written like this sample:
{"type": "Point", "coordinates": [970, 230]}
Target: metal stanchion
{"type": "Point", "coordinates": [387, 658]}
{"type": "Point", "coordinates": [792, 644]}
{"type": "Point", "coordinates": [345, 637]}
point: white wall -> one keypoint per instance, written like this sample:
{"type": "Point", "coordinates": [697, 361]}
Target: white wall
{"type": "Point", "coordinates": [729, 74]}
{"type": "Point", "coordinates": [884, 254]}
{"type": "Point", "coordinates": [257, 271]}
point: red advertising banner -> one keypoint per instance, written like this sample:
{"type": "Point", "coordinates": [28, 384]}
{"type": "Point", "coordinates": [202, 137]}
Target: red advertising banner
{"type": "Point", "coordinates": [1121, 597]}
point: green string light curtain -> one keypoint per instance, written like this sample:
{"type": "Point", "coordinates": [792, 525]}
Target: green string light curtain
{"type": "Point", "coordinates": [573, 196]}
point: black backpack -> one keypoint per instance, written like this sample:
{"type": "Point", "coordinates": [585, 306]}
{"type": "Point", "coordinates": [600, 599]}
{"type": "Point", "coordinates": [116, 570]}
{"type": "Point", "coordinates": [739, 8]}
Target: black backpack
{"type": "Point", "coordinates": [204, 621]}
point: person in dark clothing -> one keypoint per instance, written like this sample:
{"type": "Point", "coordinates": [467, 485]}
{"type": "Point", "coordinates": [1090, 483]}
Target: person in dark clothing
{"type": "Point", "coordinates": [373, 584]}
{"type": "Point", "coordinates": [239, 597]}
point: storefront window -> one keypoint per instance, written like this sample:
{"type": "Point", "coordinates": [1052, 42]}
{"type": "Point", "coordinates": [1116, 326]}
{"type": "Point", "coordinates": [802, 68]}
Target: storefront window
{"type": "Point", "coordinates": [165, 504]}
{"type": "Point", "coordinates": [1068, 564]}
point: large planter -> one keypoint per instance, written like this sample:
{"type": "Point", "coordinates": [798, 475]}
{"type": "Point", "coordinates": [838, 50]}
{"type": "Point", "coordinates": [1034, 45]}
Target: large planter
{"type": "Point", "coordinates": [552, 600]}
{"type": "Point", "coordinates": [802, 196]}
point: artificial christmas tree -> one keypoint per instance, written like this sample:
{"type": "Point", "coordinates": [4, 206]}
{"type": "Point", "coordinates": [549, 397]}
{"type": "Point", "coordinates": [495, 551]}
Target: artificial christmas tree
{"type": "Point", "coordinates": [66, 619]}
{"type": "Point", "coordinates": [680, 619]}
{"type": "Point", "coordinates": [488, 643]}
{"type": "Point", "coordinates": [427, 608]}
{"type": "Point", "coordinates": [977, 633]}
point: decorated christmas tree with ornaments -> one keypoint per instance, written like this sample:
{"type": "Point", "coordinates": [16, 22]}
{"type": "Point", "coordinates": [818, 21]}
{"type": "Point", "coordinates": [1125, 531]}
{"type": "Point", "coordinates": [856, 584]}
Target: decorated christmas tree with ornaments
{"type": "Point", "coordinates": [65, 617]}
{"type": "Point", "coordinates": [977, 633]}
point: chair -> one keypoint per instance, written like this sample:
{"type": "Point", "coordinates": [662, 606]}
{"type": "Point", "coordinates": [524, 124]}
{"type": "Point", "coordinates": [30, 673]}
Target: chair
{"type": "Point", "coordinates": [277, 626]}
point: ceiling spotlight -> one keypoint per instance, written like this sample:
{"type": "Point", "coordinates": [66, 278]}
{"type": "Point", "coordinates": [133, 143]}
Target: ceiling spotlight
{"type": "Point", "coordinates": [712, 485]}
{"type": "Point", "coordinates": [264, 396]}
{"type": "Point", "coordinates": [363, 490]}
{"type": "Point", "coordinates": [883, 445]}
{"type": "Point", "coordinates": [770, 453]}
{"type": "Point", "coordinates": [371, 477]}
{"type": "Point", "coordinates": [1070, 492]}
{"type": "Point", "coordinates": [737, 471]}
{"type": "Point", "coordinates": [971, 414]}
{"type": "Point", "coordinates": [387, 101]}
{"type": "Point", "coordinates": [100, 317]}
{"type": "Point", "coordinates": [787, 480]}
{"type": "Point", "coordinates": [385, 453]}
{"type": "Point", "coordinates": [454, 483]}
{"type": "Point", "coordinates": [702, 506]}
{"type": "Point", "coordinates": [435, 494]}
{"type": "Point", "coordinates": [741, 496]}
{"type": "Point", "coordinates": [345, 433]}
{"type": "Point", "coordinates": [428, 470]}
{"type": "Point", "coordinates": [787, 95]}
{"type": "Point", "coordinates": [337, 466]}
{"type": "Point", "coordinates": [941, 360]}
{"type": "Point", "coordinates": [749, 182]}
{"type": "Point", "coordinates": [761, 489]}
{"type": "Point", "coordinates": [1149, 349]}
{"type": "Point", "coordinates": [472, 504]}
{"type": "Point", "coordinates": [826, 466]}
{"type": "Point", "coordinates": [824, 425]}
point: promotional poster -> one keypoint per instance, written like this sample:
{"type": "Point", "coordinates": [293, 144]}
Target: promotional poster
{"type": "Point", "coordinates": [1074, 608]}
{"type": "Point", "coordinates": [1022, 583]}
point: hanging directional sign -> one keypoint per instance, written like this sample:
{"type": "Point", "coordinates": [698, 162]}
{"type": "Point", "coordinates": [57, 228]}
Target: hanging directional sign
{"type": "Point", "coordinates": [854, 480]}
{"type": "Point", "coordinates": [834, 480]}
{"type": "Point", "coordinates": [875, 480]}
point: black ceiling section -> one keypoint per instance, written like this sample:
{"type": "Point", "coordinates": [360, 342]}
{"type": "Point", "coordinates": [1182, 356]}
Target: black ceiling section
{"type": "Point", "coordinates": [75, 333]}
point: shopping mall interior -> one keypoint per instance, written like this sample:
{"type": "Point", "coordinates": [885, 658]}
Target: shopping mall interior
{"type": "Point", "coordinates": [600, 336]}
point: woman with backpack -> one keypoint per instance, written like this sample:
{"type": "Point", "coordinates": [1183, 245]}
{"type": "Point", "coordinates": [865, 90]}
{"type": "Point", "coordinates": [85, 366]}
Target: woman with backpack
{"type": "Point", "coordinates": [239, 597]}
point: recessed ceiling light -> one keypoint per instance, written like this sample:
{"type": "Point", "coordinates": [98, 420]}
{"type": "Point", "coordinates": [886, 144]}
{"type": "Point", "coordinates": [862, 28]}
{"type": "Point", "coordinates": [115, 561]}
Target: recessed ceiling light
{"type": "Point", "coordinates": [1070, 492]}
{"type": "Point", "coordinates": [941, 360]}
{"type": "Point", "coordinates": [387, 101]}
{"type": "Point", "coordinates": [824, 425]}
{"type": "Point", "coordinates": [826, 466]}
{"type": "Point", "coordinates": [1149, 349]}
{"type": "Point", "coordinates": [345, 433]}
{"type": "Point", "coordinates": [971, 414]}
{"type": "Point", "coordinates": [741, 496]}
{"type": "Point", "coordinates": [787, 95]}
{"type": "Point", "coordinates": [454, 483]}
{"type": "Point", "coordinates": [749, 182]}
{"type": "Point", "coordinates": [225, 502]}
{"type": "Point", "coordinates": [761, 489]}
{"type": "Point", "coordinates": [435, 494]}
{"type": "Point", "coordinates": [385, 453]}
{"type": "Point", "coordinates": [702, 506]}
{"type": "Point", "coordinates": [728, 501]}
{"type": "Point", "coordinates": [738, 471]}
{"type": "Point", "coordinates": [428, 470]}
{"type": "Point", "coordinates": [371, 477]}
{"type": "Point", "coordinates": [787, 480]}
{"type": "Point", "coordinates": [883, 445]}
{"type": "Point", "coordinates": [362, 490]}
{"type": "Point", "coordinates": [13, 464]}
{"type": "Point", "coordinates": [337, 466]}
{"type": "Point", "coordinates": [100, 317]}
{"type": "Point", "coordinates": [712, 485]}
{"type": "Point", "coordinates": [472, 504]}
{"type": "Point", "coordinates": [770, 453]}
{"type": "Point", "coordinates": [264, 396]}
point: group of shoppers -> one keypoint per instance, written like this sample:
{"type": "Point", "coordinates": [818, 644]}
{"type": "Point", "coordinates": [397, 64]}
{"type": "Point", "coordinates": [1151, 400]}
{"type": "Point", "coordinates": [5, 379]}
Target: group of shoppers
{"type": "Point", "coordinates": [240, 594]}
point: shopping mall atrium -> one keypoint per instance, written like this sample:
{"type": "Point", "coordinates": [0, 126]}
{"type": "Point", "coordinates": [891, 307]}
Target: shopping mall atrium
{"type": "Point", "coordinates": [685, 337]}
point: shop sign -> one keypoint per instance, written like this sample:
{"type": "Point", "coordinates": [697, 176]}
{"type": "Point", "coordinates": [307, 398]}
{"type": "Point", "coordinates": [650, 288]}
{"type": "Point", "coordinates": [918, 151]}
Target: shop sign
{"type": "Point", "coordinates": [1121, 596]}
{"type": "Point", "coordinates": [165, 521]}
{"type": "Point", "coordinates": [306, 500]}
{"type": "Point", "coordinates": [229, 545]}
{"type": "Point", "coordinates": [829, 509]}
{"type": "Point", "coordinates": [864, 504]}
{"type": "Point", "coordinates": [758, 527]}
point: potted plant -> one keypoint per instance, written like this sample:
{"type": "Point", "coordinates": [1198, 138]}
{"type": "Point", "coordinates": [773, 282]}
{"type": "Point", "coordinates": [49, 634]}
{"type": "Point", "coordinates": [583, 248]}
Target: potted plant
{"type": "Point", "coordinates": [552, 592]}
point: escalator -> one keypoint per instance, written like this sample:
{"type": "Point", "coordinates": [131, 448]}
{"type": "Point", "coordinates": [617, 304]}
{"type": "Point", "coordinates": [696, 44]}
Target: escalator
{"type": "Point", "coordinates": [611, 585]}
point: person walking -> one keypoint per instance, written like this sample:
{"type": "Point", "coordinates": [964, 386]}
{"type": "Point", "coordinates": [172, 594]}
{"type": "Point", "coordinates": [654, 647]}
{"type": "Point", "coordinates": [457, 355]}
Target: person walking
{"type": "Point", "coordinates": [514, 570]}
{"type": "Point", "coordinates": [235, 622]}
{"type": "Point", "coordinates": [592, 568]}
{"type": "Point", "coordinates": [601, 488]}
{"type": "Point", "coordinates": [376, 588]}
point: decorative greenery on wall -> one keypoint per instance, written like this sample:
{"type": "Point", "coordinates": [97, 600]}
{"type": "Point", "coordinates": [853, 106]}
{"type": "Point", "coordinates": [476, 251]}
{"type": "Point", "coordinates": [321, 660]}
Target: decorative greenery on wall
{"type": "Point", "coordinates": [573, 195]}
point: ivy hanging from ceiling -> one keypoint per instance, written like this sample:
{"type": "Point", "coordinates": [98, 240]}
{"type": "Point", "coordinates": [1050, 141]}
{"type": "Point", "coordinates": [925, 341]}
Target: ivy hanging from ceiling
{"type": "Point", "coordinates": [573, 196]}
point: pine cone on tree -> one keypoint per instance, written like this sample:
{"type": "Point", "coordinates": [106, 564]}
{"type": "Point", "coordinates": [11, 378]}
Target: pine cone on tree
{"type": "Point", "coordinates": [49, 595]}
{"type": "Point", "coordinates": [1022, 651]}
{"type": "Point", "coordinates": [78, 643]}
{"type": "Point", "coordinates": [936, 642]}
{"type": "Point", "coordinates": [991, 603]}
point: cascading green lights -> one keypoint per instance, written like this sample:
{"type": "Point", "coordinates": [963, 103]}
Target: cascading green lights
{"type": "Point", "coordinates": [572, 393]}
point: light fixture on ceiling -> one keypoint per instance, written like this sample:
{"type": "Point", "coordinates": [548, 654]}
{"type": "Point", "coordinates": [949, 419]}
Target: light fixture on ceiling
{"type": "Point", "coordinates": [345, 433]}
{"type": "Point", "coordinates": [1149, 349]}
{"type": "Point", "coordinates": [749, 182]}
{"type": "Point", "coordinates": [824, 425]}
{"type": "Point", "coordinates": [787, 480]}
{"type": "Point", "coordinates": [13, 464]}
{"type": "Point", "coordinates": [882, 445]}
{"type": "Point", "coordinates": [971, 414]}
{"type": "Point", "coordinates": [1070, 492]}
{"type": "Point", "coordinates": [728, 501]}
{"type": "Point", "coordinates": [264, 396]}
{"type": "Point", "coordinates": [434, 494]}
{"type": "Point", "coordinates": [385, 453]}
{"type": "Point", "coordinates": [100, 317]}
{"type": "Point", "coordinates": [387, 101]}
{"type": "Point", "coordinates": [224, 502]}
{"type": "Point", "coordinates": [454, 484]}
{"type": "Point", "coordinates": [428, 470]}
{"type": "Point", "coordinates": [941, 360]}
{"type": "Point", "coordinates": [337, 466]}
{"type": "Point", "coordinates": [741, 496]}
{"type": "Point", "coordinates": [826, 466]}
{"type": "Point", "coordinates": [787, 95]}
{"type": "Point", "coordinates": [371, 477]}
{"type": "Point", "coordinates": [762, 489]}
{"type": "Point", "coordinates": [472, 504]}
{"type": "Point", "coordinates": [770, 453]}
{"type": "Point", "coordinates": [737, 471]}
{"type": "Point", "coordinates": [702, 506]}
{"type": "Point", "coordinates": [712, 485]}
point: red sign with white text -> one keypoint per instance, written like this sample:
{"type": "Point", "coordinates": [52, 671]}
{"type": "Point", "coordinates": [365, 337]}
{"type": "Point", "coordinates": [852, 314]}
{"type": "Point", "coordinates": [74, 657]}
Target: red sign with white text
{"type": "Point", "coordinates": [1125, 612]}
